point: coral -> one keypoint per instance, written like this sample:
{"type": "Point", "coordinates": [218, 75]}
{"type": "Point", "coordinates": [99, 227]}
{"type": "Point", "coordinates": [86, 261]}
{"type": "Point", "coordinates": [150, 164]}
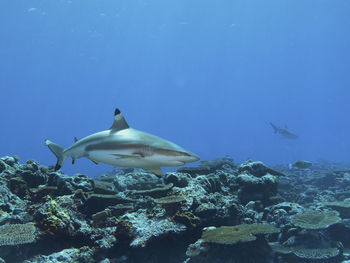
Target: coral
{"type": "Point", "coordinates": [229, 235]}
{"type": "Point", "coordinates": [100, 218]}
{"type": "Point", "coordinates": [256, 188]}
{"type": "Point", "coordinates": [129, 215]}
{"type": "Point", "coordinates": [177, 179]}
{"type": "Point", "coordinates": [38, 193]}
{"type": "Point", "coordinates": [207, 167]}
{"type": "Point", "coordinates": [171, 203]}
{"type": "Point", "coordinates": [211, 183]}
{"type": "Point", "coordinates": [168, 200]}
{"type": "Point", "coordinates": [17, 234]}
{"type": "Point", "coordinates": [10, 161]}
{"type": "Point", "coordinates": [3, 166]}
{"type": "Point", "coordinates": [258, 169]}
{"type": "Point", "coordinates": [194, 171]}
{"type": "Point", "coordinates": [120, 209]}
{"type": "Point", "coordinates": [18, 186]}
{"type": "Point", "coordinates": [315, 219]}
{"type": "Point", "coordinates": [106, 188]}
{"type": "Point", "coordinates": [206, 210]}
{"type": "Point", "coordinates": [303, 254]}
{"type": "Point", "coordinates": [196, 248]}
{"type": "Point", "coordinates": [130, 179]}
{"type": "Point", "coordinates": [316, 253]}
{"type": "Point", "coordinates": [187, 218]}
{"type": "Point", "coordinates": [98, 202]}
{"type": "Point", "coordinates": [343, 207]}
{"type": "Point", "coordinates": [156, 227]}
{"type": "Point", "coordinates": [157, 192]}
{"type": "Point", "coordinates": [72, 255]}
{"type": "Point", "coordinates": [302, 164]}
{"type": "Point", "coordinates": [31, 174]}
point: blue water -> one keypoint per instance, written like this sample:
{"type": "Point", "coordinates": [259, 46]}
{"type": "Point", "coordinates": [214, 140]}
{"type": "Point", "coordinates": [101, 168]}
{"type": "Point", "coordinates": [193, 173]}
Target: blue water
{"type": "Point", "coordinates": [207, 75]}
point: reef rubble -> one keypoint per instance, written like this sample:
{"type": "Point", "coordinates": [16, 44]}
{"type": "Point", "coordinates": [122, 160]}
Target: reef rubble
{"type": "Point", "coordinates": [218, 212]}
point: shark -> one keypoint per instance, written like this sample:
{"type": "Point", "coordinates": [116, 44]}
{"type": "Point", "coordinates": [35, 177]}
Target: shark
{"type": "Point", "coordinates": [284, 132]}
{"type": "Point", "coordinates": [124, 146]}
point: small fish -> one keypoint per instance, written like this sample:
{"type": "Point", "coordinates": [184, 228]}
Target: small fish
{"type": "Point", "coordinates": [124, 146]}
{"type": "Point", "coordinates": [302, 164]}
{"type": "Point", "coordinates": [284, 132]}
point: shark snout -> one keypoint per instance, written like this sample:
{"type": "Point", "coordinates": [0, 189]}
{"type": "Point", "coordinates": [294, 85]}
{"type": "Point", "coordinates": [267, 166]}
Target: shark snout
{"type": "Point", "coordinates": [190, 157]}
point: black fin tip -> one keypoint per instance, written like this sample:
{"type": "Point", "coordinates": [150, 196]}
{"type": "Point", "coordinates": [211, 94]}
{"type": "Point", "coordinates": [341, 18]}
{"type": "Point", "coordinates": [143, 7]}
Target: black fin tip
{"type": "Point", "coordinates": [57, 167]}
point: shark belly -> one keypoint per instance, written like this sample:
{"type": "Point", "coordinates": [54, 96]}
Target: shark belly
{"type": "Point", "coordinates": [127, 159]}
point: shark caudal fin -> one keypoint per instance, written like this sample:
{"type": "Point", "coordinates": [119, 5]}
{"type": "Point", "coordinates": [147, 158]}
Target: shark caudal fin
{"type": "Point", "coordinates": [58, 151]}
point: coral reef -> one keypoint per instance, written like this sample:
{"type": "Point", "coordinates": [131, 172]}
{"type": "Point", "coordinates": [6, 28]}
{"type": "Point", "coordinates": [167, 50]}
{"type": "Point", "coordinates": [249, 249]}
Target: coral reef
{"type": "Point", "coordinates": [218, 212]}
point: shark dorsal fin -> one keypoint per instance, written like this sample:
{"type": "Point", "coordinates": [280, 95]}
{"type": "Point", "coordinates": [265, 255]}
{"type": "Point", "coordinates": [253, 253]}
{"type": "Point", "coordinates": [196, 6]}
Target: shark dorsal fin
{"type": "Point", "coordinates": [119, 122]}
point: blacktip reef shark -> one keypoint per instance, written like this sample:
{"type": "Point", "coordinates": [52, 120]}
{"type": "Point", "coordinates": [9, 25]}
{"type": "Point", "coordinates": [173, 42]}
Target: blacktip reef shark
{"type": "Point", "coordinates": [124, 146]}
{"type": "Point", "coordinates": [284, 132]}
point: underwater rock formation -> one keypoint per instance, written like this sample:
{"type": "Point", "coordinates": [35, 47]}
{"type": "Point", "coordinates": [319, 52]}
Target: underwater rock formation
{"type": "Point", "coordinates": [216, 212]}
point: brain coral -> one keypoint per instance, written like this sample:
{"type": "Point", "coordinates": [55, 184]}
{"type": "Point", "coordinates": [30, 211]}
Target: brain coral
{"type": "Point", "coordinates": [239, 233]}
{"type": "Point", "coordinates": [316, 219]}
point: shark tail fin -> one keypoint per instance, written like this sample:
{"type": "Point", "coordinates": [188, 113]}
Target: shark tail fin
{"type": "Point", "coordinates": [275, 129]}
{"type": "Point", "coordinates": [58, 151]}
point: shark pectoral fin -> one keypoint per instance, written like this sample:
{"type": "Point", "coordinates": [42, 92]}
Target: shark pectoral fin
{"type": "Point", "coordinates": [92, 160]}
{"type": "Point", "coordinates": [156, 171]}
{"type": "Point", "coordinates": [119, 122]}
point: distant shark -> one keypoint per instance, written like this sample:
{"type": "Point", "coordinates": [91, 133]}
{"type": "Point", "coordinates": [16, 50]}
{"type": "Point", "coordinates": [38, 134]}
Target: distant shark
{"type": "Point", "coordinates": [284, 132]}
{"type": "Point", "coordinates": [124, 146]}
